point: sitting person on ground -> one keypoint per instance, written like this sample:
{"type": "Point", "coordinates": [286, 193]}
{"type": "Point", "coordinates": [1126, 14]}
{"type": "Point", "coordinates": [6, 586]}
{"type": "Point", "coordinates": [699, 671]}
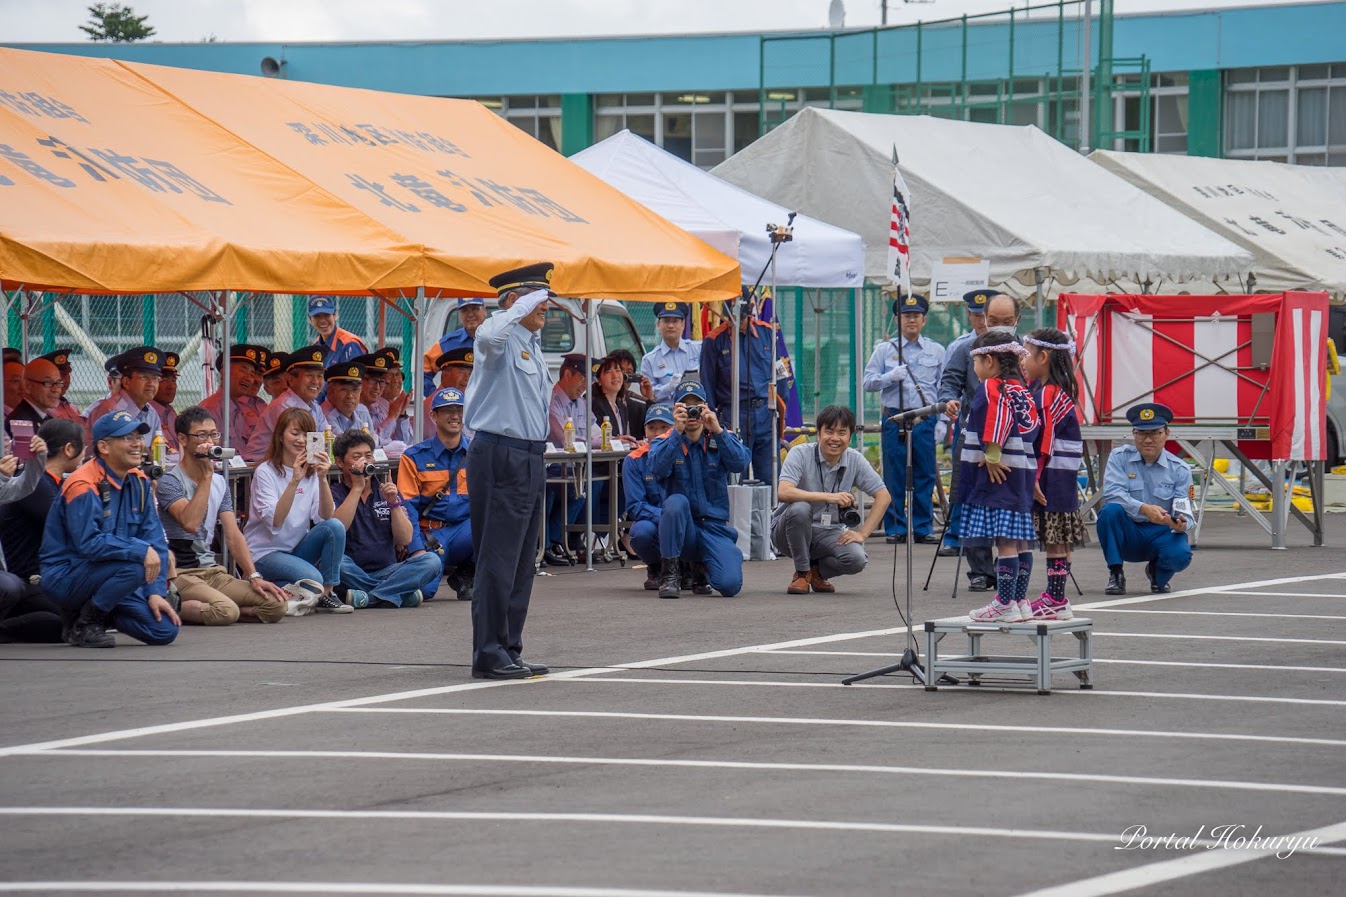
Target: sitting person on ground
{"type": "Point", "coordinates": [693, 463]}
{"type": "Point", "coordinates": [291, 532]}
{"type": "Point", "coordinates": [371, 509]}
{"type": "Point", "coordinates": [817, 522]}
{"type": "Point", "coordinates": [304, 372]}
{"type": "Point", "coordinates": [246, 363]}
{"type": "Point", "coordinates": [644, 495]}
{"type": "Point", "coordinates": [22, 520]}
{"type": "Point", "coordinates": [104, 555]}
{"type": "Point", "coordinates": [432, 477]}
{"type": "Point", "coordinates": [26, 613]}
{"type": "Point", "coordinates": [342, 408]}
{"type": "Point", "coordinates": [193, 498]}
{"type": "Point", "coordinates": [1147, 504]}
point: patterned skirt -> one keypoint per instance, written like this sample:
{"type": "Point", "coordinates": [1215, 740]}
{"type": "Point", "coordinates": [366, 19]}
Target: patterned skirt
{"type": "Point", "coordinates": [981, 525]}
{"type": "Point", "coordinates": [1058, 528]}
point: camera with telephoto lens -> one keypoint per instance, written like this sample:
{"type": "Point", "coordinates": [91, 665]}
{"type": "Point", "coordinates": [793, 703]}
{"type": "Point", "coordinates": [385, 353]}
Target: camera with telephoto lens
{"type": "Point", "coordinates": [694, 412]}
{"type": "Point", "coordinates": [220, 453]}
{"type": "Point", "coordinates": [850, 517]}
{"type": "Point", "coordinates": [151, 470]}
{"type": "Point", "coordinates": [630, 378]}
{"type": "Point", "coordinates": [375, 469]}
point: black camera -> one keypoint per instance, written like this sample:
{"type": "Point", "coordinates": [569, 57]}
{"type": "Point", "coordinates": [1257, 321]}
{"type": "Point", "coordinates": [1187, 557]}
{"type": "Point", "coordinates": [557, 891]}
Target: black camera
{"type": "Point", "coordinates": [152, 470]}
{"type": "Point", "coordinates": [694, 412]}
{"type": "Point", "coordinates": [375, 469]}
{"type": "Point", "coordinates": [630, 378]}
{"type": "Point", "coordinates": [850, 517]}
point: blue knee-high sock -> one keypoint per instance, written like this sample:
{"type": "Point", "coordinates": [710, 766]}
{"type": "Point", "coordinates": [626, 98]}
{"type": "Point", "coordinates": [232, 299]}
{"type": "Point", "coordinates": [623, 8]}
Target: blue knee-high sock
{"type": "Point", "coordinates": [1025, 573]}
{"type": "Point", "coordinates": [1006, 579]}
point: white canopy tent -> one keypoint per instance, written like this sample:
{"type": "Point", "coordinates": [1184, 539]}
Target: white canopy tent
{"type": "Point", "coordinates": [727, 217]}
{"type": "Point", "coordinates": [1291, 218]}
{"type": "Point", "coordinates": [1010, 195]}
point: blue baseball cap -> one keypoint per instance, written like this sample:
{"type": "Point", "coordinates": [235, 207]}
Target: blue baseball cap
{"type": "Point", "coordinates": [977, 300]}
{"type": "Point", "coordinates": [321, 305]}
{"type": "Point", "coordinates": [118, 423]}
{"type": "Point", "coordinates": [661, 412]}
{"type": "Point", "coordinates": [446, 398]}
{"type": "Point", "coordinates": [688, 389]}
{"type": "Point", "coordinates": [1149, 416]}
{"type": "Point", "coordinates": [470, 300]}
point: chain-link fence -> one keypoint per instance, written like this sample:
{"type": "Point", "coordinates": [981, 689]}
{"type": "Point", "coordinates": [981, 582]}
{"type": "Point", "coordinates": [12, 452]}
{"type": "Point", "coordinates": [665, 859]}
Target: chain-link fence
{"type": "Point", "coordinates": [96, 328]}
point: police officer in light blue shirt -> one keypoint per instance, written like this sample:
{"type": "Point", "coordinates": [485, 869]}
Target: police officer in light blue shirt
{"type": "Point", "coordinates": [666, 364]}
{"type": "Point", "coordinates": [1147, 495]}
{"type": "Point", "coordinates": [507, 411]}
{"type": "Point", "coordinates": [905, 371]}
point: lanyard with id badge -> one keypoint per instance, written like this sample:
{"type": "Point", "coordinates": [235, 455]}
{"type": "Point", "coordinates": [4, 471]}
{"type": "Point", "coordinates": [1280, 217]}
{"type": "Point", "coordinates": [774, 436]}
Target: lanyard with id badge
{"type": "Point", "coordinates": [848, 516]}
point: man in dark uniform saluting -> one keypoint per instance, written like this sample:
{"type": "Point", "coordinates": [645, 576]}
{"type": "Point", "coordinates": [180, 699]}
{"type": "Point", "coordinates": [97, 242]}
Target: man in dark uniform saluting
{"type": "Point", "coordinates": [507, 410]}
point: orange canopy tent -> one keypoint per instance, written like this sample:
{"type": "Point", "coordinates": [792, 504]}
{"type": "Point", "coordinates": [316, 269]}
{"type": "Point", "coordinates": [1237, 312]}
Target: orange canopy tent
{"type": "Point", "coordinates": [134, 178]}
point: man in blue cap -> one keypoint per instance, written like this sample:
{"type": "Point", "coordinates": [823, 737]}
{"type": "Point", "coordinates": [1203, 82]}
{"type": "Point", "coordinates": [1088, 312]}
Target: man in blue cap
{"type": "Point", "coordinates": [644, 494]}
{"type": "Point", "coordinates": [104, 555]}
{"type": "Point", "coordinates": [432, 477]}
{"type": "Point", "coordinates": [471, 312]}
{"type": "Point", "coordinates": [905, 372]}
{"type": "Point", "coordinates": [341, 345]}
{"type": "Point", "coordinates": [958, 383]}
{"type": "Point", "coordinates": [667, 363]}
{"type": "Point", "coordinates": [1147, 495]}
{"type": "Point", "coordinates": [506, 409]}
{"type": "Point", "coordinates": [692, 464]}
{"type": "Point", "coordinates": [755, 343]}
{"type": "Point", "coordinates": [141, 369]}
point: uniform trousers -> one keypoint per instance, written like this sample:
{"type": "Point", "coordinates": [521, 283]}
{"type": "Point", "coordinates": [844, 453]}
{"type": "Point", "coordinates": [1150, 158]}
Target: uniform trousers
{"type": "Point", "coordinates": [757, 430]}
{"type": "Point", "coordinates": [506, 484]}
{"type": "Point", "coordinates": [645, 540]}
{"type": "Point", "coordinates": [456, 540]}
{"type": "Point", "coordinates": [118, 589]}
{"type": "Point", "coordinates": [795, 534]}
{"type": "Point", "coordinates": [712, 542]}
{"type": "Point", "coordinates": [1124, 540]}
{"type": "Point", "coordinates": [395, 581]}
{"type": "Point", "coordinates": [222, 596]}
{"type": "Point", "coordinates": [895, 475]}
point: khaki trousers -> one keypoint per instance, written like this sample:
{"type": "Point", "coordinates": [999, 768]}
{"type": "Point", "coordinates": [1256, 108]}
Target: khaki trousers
{"type": "Point", "coordinates": [223, 595]}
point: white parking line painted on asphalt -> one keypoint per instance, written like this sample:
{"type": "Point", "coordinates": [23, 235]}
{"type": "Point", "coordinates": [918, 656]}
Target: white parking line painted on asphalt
{"type": "Point", "coordinates": [1219, 638]}
{"type": "Point", "coordinates": [1286, 594]}
{"type": "Point", "coordinates": [646, 680]}
{"type": "Point", "coordinates": [1217, 613]}
{"type": "Point", "coordinates": [1126, 661]}
{"type": "Point", "coordinates": [737, 765]}
{"type": "Point", "coordinates": [330, 887]}
{"type": "Point", "coordinates": [1182, 867]}
{"type": "Point", "coordinates": [1208, 590]}
{"type": "Point", "coordinates": [862, 723]}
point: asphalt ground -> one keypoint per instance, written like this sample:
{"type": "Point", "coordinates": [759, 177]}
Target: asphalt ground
{"type": "Point", "coordinates": [701, 746]}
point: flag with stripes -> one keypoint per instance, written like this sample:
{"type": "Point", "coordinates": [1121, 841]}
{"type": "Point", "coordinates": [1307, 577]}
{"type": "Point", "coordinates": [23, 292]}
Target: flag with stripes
{"type": "Point", "coordinates": [899, 232]}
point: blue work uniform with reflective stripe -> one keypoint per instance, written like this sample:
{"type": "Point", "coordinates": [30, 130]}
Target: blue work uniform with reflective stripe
{"type": "Point", "coordinates": [433, 481]}
{"type": "Point", "coordinates": [755, 425]}
{"type": "Point", "coordinates": [644, 503]}
{"type": "Point", "coordinates": [694, 525]}
{"type": "Point", "coordinates": [1124, 534]}
{"type": "Point", "coordinates": [905, 374]}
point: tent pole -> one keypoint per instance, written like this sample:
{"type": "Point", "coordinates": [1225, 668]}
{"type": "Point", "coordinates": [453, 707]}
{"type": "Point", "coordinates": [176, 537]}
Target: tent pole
{"type": "Point", "coordinates": [588, 307]}
{"type": "Point", "coordinates": [771, 377]}
{"type": "Point", "coordinates": [226, 408]}
{"type": "Point", "coordinates": [1085, 127]}
{"type": "Point", "coordinates": [1037, 285]}
{"type": "Point", "coordinates": [383, 323]}
{"type": "Point", "coordinates": [857, 371]}
{"type": "Point", "coordinates": [735, 372]}
{"type": "Point", "coordinates": [413, 364]}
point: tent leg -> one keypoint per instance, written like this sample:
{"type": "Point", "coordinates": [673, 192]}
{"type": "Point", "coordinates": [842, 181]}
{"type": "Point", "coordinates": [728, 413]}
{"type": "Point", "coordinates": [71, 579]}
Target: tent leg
{"type": "Point", "coordinates": [413, 364]}
{"type": "Point", "coordinates": [1041, 303]}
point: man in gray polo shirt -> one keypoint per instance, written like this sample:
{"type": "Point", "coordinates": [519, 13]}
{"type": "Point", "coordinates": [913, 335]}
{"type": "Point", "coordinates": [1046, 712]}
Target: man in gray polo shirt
{"type": "Point", "coordinates": [816, 496]}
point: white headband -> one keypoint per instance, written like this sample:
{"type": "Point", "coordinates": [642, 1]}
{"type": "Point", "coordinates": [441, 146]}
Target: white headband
{"type": "Point", "coordinates": [1067, 346]}
{"type": "Point", "coordinates": [1003, 348]}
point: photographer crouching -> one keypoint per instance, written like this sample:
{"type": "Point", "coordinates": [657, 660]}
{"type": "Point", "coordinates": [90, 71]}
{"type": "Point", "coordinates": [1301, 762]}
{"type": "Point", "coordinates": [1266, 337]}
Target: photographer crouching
{"type": "Point", "coordinates": [817, 522]}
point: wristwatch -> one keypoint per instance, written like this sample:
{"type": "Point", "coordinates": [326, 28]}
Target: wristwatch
{"type": "Point", "coordinates": [254, 575]}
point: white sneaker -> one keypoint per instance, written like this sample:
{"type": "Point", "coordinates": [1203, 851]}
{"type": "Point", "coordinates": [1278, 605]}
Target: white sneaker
{"type": "Point", "coordinates": [995, 612]}
{"type": "Point", "coordinates": [1025, 609]}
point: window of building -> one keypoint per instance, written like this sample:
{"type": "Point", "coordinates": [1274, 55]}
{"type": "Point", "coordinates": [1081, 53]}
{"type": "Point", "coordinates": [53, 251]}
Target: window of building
{"type": "Point", "coordinates": [1167, 115]}
{"type": "Point", "coordinates": [1287, 114]}
{"type": "Point", "coordinates": [539, 117]}
{"type": "Point", "coordinates": [702, 127]}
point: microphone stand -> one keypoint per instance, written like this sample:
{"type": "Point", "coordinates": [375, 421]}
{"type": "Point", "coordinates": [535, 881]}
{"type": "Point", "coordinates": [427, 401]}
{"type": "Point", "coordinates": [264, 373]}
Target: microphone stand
{"type": "Point", "coordinates": [910, 660]}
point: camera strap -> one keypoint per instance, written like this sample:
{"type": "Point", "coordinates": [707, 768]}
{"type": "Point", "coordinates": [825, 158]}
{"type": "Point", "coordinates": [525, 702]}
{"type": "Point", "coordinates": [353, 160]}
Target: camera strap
{"type": "Point", "coordinates": [822, 478]}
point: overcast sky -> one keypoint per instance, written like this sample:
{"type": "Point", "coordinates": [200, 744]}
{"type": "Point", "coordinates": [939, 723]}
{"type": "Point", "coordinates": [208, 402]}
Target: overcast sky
{"type": "Point", "coordinates": [316, 20]}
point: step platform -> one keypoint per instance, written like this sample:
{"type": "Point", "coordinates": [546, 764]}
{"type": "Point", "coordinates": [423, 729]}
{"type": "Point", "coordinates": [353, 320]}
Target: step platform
{"type": "Point", "coordinates": [1037, 667]}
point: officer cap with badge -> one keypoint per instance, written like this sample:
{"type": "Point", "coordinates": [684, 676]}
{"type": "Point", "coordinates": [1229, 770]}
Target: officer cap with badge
{"type": "Point", "coordinates": [528, 278]}
{"type": "Point", "coordinates": [118, 423]}
{"type": "Point", "coordinates": [274, 364]}
{"type": "Point", "coordinates": [448, 397]}
{"type": "Point", "coordinates": [977, 300]}
{"type": "Point", "coordinates": [142, 358]}
{"type": "Point", "coordinates": [12, 354]}
{"type": "Point", "coordinates": [60, 358]}
{"type": "Point", "coordinates": [307, 357]}
{"type": "Point", "coordinates": [461, 356]}
{"type": "Point", "coordinates": [672, 310]}
{"type": "Point", "coordinates": [375, 365]}
{"type": "Point", "coordinates": [392, 357]}
{"type": "Point", "coordinates": [347, 372]}
{"type": "Point", "coordinates": [911, 304]}
{"type": "Point", "coordinates": [171, 360]}
{"type": "Point", "coordinates": [246, 353]}
{"type": "Point", "coordinates": [1149, 416]}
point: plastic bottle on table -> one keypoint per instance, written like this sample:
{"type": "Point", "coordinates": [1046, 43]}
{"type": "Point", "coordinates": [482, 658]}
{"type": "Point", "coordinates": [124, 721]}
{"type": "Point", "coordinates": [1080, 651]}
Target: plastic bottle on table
{"type": "Point", "coordinates": [605, 444]}
{"type": "Point", "coordinates": [568, 435]}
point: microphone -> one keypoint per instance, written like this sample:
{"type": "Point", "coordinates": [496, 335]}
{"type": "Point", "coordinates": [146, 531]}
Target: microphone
{"type": "Point", "coordinates": [916, 414]}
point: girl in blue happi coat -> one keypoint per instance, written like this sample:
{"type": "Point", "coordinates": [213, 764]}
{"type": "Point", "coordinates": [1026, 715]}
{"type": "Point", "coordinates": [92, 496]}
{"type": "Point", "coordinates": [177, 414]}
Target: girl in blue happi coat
{"type": "Point", "coordinates": [1050, 366]}
{"type": "Point", "coordinates": [999, 472]}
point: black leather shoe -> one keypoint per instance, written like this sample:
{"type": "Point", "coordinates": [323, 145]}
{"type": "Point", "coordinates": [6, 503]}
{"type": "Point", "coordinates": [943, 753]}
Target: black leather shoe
{"type": "Point", "coordinates": [700, 580]}
{"type": "Point", "coordinates": [557, 556]}
{"type": "Point", "coordinates": [88, 629]}
{"type": "Point", "coordinates": [1156, 589]}
{"type": "Point", "coordinates": [510, 671]}
{"type": "Point", "coordinates": [537, 669]}
{"type": "Point", "coordinates": [652, 578]}
{"type": "Point", "coordinates": [670, 578]}
{"type": "Point", "coordinates": [896, 540]}
{"type": "Point", "coordinates": [949, 551]}
{"type": "Point", "coordinates": [979, 584]}
{"type": "Point", "coordinates": [927, 539]}
{"type": "Point", "coordinates": [1116, 584]}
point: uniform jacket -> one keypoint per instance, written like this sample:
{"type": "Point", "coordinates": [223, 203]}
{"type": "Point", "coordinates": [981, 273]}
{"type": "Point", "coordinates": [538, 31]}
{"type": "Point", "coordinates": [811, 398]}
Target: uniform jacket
{"type": "Point", "coordinates": [717, 365]}
{"type": "Point", "coordinates": [433, 480]}
{"type": "Point", "coordinates": [699, 470]}
{"type": "Point", "coordinates": [644, 492]}
{"type": "Point", "coordinates": [1130, 482]}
